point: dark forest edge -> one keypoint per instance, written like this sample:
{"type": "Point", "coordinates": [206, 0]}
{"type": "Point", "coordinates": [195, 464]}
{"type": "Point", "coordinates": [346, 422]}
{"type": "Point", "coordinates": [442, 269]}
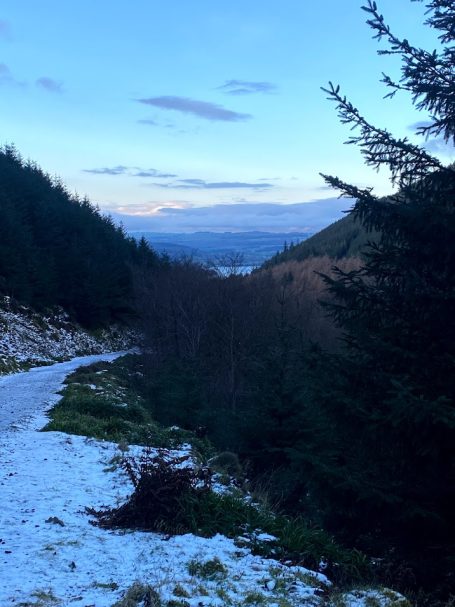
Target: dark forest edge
{"type": "Point", "coordinates": [57, 249]}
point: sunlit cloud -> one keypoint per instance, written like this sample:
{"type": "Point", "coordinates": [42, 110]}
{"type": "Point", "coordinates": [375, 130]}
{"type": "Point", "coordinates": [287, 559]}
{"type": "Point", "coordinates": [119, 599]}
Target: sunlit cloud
{"type": "Point", "coordinates": [150, 209]}
{"type": "Point", "coordinates": [201, 109]}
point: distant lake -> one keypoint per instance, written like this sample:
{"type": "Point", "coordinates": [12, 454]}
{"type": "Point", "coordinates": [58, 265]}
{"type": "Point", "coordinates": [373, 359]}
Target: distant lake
{"type": "Point", "coordinates": [252, 247]}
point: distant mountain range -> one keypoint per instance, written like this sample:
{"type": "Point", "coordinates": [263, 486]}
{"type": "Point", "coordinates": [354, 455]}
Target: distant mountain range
{"type": "Point", "coordinates": [254, 247]}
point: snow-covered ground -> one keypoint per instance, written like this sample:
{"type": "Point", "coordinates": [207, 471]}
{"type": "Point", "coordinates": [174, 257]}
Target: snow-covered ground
{"type": "Point", "coordinates": [28, 338]}
{"type": "Point", "coordinates": [25, 394]}
{"type": "Point", "coordinates": [50, 554]}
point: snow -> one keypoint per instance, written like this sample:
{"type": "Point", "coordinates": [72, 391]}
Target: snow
{"type": "Point", "coordinates": [24, 394]}
{"type": "Point", "coordinates": [28, 338]}
{"type": "Point", "coordinates": [48, 546]}
{"type": "Point", "coordinates": [50, 554]}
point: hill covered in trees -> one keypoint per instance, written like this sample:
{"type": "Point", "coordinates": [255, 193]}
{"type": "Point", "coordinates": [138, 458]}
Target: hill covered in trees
{"type": "Point", "coordinates": [58, 250]}
{"type": "Point", "coordinates": [344, 238]}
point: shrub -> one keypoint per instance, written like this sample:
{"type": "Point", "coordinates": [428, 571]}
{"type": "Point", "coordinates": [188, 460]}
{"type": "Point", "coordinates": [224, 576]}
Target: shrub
{"type": "Point", "coordinates": [161, 481]}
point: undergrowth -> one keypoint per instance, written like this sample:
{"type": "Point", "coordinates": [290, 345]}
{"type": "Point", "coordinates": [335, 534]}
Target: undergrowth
{"type": "Point", "coordinates": [102, 402]}
{"type": "Point", "coordinates": [173, 497]}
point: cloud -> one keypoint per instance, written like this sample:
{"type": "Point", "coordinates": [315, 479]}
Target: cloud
{"type": "Point", "coordinates": [246, 87]}
{"type": "Point", "coordinates": [440, 146]}
{"type": "Point", "coordinates": [153, 173]}
{"type": "Point", "coordinates": [421, 124]}
{"type": "Point", "coordinates": [149, 122]}
{"type": "Point", "coordinates": [178, 216]}
{"type": "Point", "coordinates": [7, 78]}
{"type": "Point", "coordinates": [201, 184]}
{"type": "Point", "coordinates": [49, 84]}
{"type": "Point", "coordinates": [201, 109]}
{"type": "Point", "coordinates": [118, 170]}
{"type": "Point", "coordinates": [131, 171]}
{"type": "Point", "coordinates": [5, 30]}
{"type": "Point", "coordinates": [149, 209]}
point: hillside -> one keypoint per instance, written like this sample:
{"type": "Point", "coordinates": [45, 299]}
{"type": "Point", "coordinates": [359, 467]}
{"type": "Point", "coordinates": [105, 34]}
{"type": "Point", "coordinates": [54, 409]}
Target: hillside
{"type": "Point", "coordinates": [29, 339]}
{"type": "Point", "coordinates": [344, 238]}
{"type": "Point", "coordinates": [58, 250]}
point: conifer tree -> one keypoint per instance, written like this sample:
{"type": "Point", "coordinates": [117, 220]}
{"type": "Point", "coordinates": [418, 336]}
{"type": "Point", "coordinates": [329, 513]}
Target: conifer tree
{"type": "Point", "coordinates": [379, 438]}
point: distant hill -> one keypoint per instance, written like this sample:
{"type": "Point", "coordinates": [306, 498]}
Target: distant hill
{"type": "Point", "coordinates": [58, 250]}
{"type": "Point", "coordinates": [344, 238]}
{"type": "Point", "coordinates": [255, 247]}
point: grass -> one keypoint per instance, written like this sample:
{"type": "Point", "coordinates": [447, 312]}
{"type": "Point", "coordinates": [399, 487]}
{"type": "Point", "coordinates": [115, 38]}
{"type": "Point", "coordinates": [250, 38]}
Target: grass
{"type": "Point", "coordinates": [102, 401]}
{"type": "Point", "coordinates": [208, 570]}
{"type": "Point", "coordinates": [295, 539]}
{"type": "Point", "coordinates": [139, 594]}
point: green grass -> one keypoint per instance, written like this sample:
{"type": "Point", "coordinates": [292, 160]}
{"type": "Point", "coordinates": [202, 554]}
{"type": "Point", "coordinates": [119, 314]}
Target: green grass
{"type": "Point", "coordinates": [113, 410]}
{"type": "Point", "coordinates": [208, 570]}
{"type": "Point", "coordinates": [102, 401]}
{"type": "Point", "coordinates": [207, 514]}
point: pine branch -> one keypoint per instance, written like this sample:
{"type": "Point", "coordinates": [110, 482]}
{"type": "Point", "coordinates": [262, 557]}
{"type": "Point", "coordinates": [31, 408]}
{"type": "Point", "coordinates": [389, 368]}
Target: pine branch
{"type": "Point", "coordinates": [429, 76]}
{"type": "Point", "coordinates": [407, 162]}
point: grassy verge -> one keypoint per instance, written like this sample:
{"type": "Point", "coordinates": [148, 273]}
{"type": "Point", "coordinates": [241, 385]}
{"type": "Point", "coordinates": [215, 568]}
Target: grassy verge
{"type": "Point", "coordinates": [101, 401]}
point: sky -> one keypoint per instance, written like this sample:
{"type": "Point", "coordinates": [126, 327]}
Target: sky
{"type": "Point", "coordinates": [157, 109]}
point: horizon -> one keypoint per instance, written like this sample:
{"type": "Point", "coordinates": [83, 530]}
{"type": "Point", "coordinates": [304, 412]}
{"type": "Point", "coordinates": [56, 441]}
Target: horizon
{"type": "Point", "coordinates": [149, 114]}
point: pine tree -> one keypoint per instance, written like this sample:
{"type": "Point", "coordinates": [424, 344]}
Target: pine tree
{"type": "Point", "coordinates": [379, 438]}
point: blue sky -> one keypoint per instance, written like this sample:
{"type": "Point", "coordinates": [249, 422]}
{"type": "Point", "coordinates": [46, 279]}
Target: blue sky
{"type": "Point", "coordinates": [148, 105]}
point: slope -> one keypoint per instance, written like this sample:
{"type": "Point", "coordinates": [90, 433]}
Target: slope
{"type": "Point", "coordinates": [344, 238]}
{"type": "Point", "coordinates": [58, 250]}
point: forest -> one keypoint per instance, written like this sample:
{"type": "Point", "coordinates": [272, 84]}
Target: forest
{"type": "Point", "coordinates": [59, 250]}
{"type": "Point", "coordinates": [329, 371]}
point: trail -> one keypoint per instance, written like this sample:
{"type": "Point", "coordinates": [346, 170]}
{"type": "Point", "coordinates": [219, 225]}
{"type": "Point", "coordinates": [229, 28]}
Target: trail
{"type": "Point", "coordinates": [50, 554]}
{"type": "Point", "coordinates": [26, 394]}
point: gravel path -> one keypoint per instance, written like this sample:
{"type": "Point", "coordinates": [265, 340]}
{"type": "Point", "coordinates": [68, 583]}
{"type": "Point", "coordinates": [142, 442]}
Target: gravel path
{"type": "Point", "coordinates": [23, 395]}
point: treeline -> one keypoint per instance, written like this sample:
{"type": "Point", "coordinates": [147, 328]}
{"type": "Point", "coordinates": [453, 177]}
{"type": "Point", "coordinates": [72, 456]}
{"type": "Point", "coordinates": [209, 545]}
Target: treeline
{"type": "Point", "coordinates": [346, 237]}
{"type": "Point", "coordinates": [229, 357]}
{"type": "Point", "coordinates": [58, 250]}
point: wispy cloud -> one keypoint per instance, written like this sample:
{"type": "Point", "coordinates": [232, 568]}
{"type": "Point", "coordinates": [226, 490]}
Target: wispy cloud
{"type": "Point", "coordinates": [149, 121]}
{"type": "Point", "coordinates": [131, 171]}
{"type": "Point", "coordinates": [118, 170]}
{"type": "Point", "coordinates": [247, 87]}
{"type": "Point", "coordinates": [7, 78]}
{"type": "Point", "coordinates": [201, 109]}
{"type": "Point", "coordinates": [201, 184]}
{"type": "Point", "coordinates": [49, 84]}
{"type": "Point", "coordinates": [5, 30]}
{"type": "Point", "coordinates": [153, 173]}
{"type": "Point", "coordinates": [421, 124]}
{"type": "Point", "coordinates": [440, 146]}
